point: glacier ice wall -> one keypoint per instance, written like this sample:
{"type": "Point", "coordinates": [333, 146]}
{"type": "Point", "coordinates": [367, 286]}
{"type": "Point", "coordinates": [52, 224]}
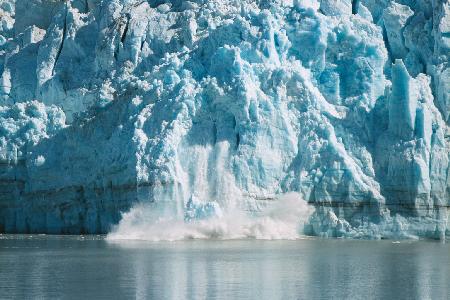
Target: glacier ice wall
{"type": "Point", "coordinates": [227, 105]}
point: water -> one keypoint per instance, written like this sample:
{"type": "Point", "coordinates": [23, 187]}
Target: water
{"type": "Point", "coordinates": [94, 268]}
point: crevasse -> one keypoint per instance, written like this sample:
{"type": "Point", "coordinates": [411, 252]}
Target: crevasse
{"type": "Point", "coordinates": [189, 111]}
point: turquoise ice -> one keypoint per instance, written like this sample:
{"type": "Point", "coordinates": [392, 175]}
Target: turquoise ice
{"type": "Point", "coordinates": [193, 109]}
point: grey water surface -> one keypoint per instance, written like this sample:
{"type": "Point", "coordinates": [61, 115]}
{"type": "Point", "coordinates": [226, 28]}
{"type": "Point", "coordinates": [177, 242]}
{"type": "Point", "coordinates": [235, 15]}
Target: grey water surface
{"type": "Point", "coordinates": [74, 267]}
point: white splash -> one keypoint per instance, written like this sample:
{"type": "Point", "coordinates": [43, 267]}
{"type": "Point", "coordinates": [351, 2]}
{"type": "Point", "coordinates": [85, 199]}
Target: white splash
{"type": "Point", "coordinates": [284, 219]}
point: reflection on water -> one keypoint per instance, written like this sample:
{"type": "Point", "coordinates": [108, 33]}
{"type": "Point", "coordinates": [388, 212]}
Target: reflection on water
{"type": "Point", "coordinates": [69, 267]}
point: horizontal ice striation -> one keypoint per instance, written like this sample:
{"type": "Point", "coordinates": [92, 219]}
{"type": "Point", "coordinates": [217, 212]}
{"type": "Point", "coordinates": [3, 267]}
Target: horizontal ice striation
{"type": "Point", "coordinates": [191, 108]}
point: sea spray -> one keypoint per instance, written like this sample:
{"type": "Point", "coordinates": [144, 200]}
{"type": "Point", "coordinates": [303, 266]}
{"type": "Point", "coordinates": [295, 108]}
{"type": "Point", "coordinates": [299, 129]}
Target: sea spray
{"type": "Point", "coordinates": [283, 219]}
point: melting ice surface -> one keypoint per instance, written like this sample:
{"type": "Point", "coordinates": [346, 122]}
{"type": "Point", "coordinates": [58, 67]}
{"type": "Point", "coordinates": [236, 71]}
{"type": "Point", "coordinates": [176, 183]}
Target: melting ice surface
{"type": "Point", "coordinates": [284, 219]}
{"type": "Point", "coordinates": [199, 115]}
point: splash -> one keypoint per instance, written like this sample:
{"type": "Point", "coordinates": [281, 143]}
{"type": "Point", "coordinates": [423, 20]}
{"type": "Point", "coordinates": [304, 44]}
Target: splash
{"type": "Point", "coordinates": [283, 219]}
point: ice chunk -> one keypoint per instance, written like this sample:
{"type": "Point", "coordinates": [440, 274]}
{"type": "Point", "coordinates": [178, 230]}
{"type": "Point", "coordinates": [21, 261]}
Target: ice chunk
{"type": "Point", "coordinates": [336, 8]}
{"type": "Point", "coordinates": [395, 17]}
{"type": "Point", "coordinates": [402, 102]}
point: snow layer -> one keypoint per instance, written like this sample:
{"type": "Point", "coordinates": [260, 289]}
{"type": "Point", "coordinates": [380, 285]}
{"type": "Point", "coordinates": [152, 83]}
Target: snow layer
{"type": "Point", "coordinates": [189, 110]}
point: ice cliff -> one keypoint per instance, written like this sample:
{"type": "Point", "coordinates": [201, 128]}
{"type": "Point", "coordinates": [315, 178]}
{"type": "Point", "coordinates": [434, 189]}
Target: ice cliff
{"type": "Point", "coordinates": [195, 108]}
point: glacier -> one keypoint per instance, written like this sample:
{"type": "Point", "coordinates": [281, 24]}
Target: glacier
{"type": "Point", "coordinates": [137, 116]}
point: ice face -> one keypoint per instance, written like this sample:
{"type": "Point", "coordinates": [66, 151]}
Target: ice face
{"type": "Point", "coordinates": [193, 110]}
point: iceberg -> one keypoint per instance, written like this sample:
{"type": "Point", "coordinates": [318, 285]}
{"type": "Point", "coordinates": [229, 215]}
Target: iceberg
{"type": "Point", "coordinates": [134, 116]}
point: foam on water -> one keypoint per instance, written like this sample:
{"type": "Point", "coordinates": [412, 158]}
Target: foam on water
{"type": "Point", "coordinates": [283, 219]}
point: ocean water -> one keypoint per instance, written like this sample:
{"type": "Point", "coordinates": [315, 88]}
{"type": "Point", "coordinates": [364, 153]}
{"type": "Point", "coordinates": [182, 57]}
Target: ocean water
{"type": "Point", "coordinates": [91, 267]}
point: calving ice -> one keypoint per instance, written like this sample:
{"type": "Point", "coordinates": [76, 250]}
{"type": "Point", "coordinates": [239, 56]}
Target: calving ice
{"type": "Point", "coordinates": [205, 116]}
